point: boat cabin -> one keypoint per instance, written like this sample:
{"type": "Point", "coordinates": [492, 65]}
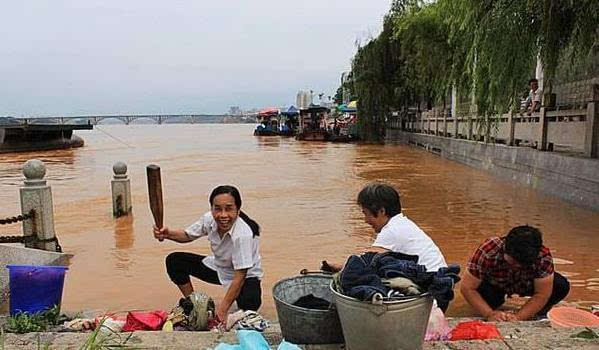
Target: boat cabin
{"type": "Point", "coordinates": [312, 123]}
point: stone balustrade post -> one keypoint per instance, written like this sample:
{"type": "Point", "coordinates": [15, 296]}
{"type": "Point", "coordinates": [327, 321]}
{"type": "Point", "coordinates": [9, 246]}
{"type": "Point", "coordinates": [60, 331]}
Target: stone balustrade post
{"type": "Point", "coordinates": [445, 113]}
{"type": "Point", "coordinates": [456, 126]}
{"type": "Point", "coordinates": [469, 128]}
{"type": "Point", "coordinates": [121, 190]}
{"type": "Point", "coordinates": [591, 137]}
{"type": "Point", "coordinates": [511, 129]}
{"type": "Point", "coordinates": [542, 130]}
{"type": "Point", "coordinates": [429, 122]}
{"type": "Point", "coordinates": [36, 195]}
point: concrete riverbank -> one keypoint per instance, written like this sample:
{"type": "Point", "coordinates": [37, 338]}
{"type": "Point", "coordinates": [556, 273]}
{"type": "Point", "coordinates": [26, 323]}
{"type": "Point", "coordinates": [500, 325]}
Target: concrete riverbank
{"type": "Point", "coordinates": [517, 335]}
{"type": "Point", "coordinates": [571, 178]}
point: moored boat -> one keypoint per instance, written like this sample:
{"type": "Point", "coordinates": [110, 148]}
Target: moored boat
{"type": "Point", "coordinates": [269, 122]}
{"type": "Point", "coordinates": [312, 124]}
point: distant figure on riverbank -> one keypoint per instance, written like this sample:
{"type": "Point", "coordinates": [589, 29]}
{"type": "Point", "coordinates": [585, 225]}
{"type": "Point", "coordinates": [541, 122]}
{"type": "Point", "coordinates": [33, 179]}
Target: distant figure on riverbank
{"type": "Point", "coordinates": [381, 207]}
{"type": "Point", "coordinates": [515, 264]}
{"type": "Point", "coordinates": [236, 261]}
{"type": "Point", "coordinates": [533, 101]}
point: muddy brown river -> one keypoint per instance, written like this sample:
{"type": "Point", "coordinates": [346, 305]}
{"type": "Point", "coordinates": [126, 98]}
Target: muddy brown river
{"type": "Point", "coordinates": [301, 193]}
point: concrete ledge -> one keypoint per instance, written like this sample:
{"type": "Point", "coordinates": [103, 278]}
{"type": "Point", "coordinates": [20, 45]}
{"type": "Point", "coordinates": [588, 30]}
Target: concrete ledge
{"type": "Point", "coordinates": [18, 255]}
{"type": "Point", "coordinates": [516, 335]}
{"type": "Point", "coordinates": [571, 178]}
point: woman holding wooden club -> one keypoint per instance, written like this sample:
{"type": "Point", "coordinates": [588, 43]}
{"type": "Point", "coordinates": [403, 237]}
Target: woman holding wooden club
{"type": "Point", "coordinates": [234, 241]}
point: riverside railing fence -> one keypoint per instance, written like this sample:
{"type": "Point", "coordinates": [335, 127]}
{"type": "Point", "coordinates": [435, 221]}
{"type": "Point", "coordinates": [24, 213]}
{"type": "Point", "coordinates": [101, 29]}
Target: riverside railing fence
{"type": "Point", "coordinates": [37, 214]}
{"type": "Point", "coordinates": [551, 129]}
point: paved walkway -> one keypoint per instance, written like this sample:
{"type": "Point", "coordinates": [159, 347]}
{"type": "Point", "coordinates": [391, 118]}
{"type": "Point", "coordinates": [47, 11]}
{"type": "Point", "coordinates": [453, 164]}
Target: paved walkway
{"type": "Point", "coordinates": [520, 335]}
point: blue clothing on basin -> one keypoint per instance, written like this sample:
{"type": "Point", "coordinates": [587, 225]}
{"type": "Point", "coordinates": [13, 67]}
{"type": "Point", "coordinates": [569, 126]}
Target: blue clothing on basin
{"type": "Point", "coordinates": [361, 278]}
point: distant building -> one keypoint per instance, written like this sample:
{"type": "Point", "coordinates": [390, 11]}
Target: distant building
{"type": "Point", "coordinates": [345, 81]}
{"type": "Point", "coordinates": [303, 99]}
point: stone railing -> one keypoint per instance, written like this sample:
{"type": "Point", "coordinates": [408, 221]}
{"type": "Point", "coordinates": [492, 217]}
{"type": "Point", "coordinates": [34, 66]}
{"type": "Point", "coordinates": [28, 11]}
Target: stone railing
{"type": "Point", "coordinates": [37, 210]}
{"type": "Point", "coordinates": [575, 130]}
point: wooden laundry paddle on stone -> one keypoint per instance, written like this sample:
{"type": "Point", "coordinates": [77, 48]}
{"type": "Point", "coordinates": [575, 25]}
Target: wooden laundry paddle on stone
{"type": "Point", "coordinates": [155, 194]}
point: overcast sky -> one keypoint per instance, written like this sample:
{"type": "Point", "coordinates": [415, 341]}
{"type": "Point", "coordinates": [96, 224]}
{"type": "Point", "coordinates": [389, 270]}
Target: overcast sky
{"type": "Point", "coordinates": [99, 57]}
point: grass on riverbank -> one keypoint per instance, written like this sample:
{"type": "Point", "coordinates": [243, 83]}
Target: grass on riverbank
{"type": "Point", "coordinates": [24, 322]}
{"type": "Point", "coordinates": [102, 338]}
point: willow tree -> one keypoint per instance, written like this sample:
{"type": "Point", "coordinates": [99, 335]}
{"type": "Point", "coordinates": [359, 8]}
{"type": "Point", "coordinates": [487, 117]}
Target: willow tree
{"type": "Point", "coordinates": [487, 48]}
{"type": "Point", "coordinates": [500, 41]}
{"type": "Point", "coordinates": [569, 30]}
{"type": "Point", "coordinates": [425, 51]}
{"type": "Point", "coordinates": [376, 73]}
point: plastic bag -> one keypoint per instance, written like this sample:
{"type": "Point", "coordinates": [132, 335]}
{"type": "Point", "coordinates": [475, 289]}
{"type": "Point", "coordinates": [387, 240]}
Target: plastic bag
{"type": "Point", "coordinates": [145, 321]}
{"type": "Point", "coordinates": [288, 346]}
{"type": "Point", "coordinates": [253, 340]}
{"type": "Point", "coordinates": [437, 328]}
{"type": "Point", "coordinates": [474, 330]}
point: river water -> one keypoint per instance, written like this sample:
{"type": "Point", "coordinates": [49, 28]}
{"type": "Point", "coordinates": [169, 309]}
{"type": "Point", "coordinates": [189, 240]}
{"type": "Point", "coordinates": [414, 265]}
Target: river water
{"type": "Point", "coordinates": [302, 194]}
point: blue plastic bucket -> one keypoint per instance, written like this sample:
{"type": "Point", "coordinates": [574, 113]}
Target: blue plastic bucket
{"type": "Point", "coordinates": [35, 288]}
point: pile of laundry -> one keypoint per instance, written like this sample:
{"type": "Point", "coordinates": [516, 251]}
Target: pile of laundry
{"type": "Point", "coordinates": [193, 313]}
{"type": "Point", "coordinates": [386, 276]}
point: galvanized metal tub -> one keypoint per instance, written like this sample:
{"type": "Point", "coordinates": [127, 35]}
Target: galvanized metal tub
{"type": "Point", "coordinates": [396, 325]}
{"type": "Point", "coordinates": [301, 325]}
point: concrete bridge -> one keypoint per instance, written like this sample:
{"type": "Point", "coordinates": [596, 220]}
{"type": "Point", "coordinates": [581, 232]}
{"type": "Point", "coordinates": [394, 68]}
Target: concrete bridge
{"type": "Point", "coordinates": [127, 119]}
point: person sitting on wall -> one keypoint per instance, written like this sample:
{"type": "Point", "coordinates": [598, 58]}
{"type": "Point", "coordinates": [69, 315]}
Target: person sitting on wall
{"type": "Point", "coordinates": [381, 207]}
{"type": "Point", "coordinates": [533, 101]}
{"type": "Point", "coordinates": [515, 264]}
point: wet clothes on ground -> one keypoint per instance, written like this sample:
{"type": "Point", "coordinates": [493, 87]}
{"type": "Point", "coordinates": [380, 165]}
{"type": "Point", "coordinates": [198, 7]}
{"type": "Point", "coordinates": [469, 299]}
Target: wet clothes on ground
{"type": "Point", "coordinates": [362, 275]}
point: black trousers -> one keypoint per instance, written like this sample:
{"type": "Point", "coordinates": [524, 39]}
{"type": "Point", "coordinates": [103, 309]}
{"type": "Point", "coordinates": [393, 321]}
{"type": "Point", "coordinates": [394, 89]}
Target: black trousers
{"type": "Point", "coordinates": [180, 266]}
{"type": "Point", "coordinates": [495, 297]}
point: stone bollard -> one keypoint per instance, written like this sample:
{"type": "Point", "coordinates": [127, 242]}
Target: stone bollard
{"type": "Point", "coordinates": [36, 195]}
{"type": "Point", "coordinates": [121, 190]}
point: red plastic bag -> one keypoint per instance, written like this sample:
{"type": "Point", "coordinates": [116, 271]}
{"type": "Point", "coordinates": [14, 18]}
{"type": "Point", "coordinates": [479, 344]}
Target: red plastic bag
{"type": "Point", "coordinates": [474, 330]}
{"type": "Point", "coordinates": [145, 320]}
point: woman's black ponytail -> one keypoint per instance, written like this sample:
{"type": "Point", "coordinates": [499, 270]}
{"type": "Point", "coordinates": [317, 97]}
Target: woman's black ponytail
{"type": "Point", "coordinates": [251, 223]}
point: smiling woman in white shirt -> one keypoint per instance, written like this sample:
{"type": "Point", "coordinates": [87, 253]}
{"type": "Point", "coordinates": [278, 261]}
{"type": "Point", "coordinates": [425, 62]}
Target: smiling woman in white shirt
{"type": "Point", "coordinates": [234, 241]}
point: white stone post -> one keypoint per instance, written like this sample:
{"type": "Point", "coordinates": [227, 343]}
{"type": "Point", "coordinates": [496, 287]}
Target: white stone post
{"type": "Point", "coordinates": [37, 196]}
{"type": "Point", "coordinates": [121, 190]}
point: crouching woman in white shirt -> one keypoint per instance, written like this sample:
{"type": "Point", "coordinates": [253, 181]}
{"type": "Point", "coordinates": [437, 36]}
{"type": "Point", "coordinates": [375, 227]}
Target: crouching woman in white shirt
{"type": "Point", "coordinates": [234, 241]}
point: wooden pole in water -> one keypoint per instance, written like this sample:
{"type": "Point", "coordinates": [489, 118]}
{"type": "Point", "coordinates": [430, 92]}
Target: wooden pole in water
{"type": "Point", "coordinates": [155, 193]}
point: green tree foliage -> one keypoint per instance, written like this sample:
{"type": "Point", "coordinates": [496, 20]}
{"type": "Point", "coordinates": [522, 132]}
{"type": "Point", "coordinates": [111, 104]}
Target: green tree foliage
{"type": "Point", "coordinates": [425, 52]}
{"type": "Point", "coordinates": [377, 78]}
{"type": "Point", "coordinates": [486, 48]}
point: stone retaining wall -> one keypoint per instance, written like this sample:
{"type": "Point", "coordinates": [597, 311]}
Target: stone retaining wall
{"type": "Point", "coordinates": [571, 178]}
